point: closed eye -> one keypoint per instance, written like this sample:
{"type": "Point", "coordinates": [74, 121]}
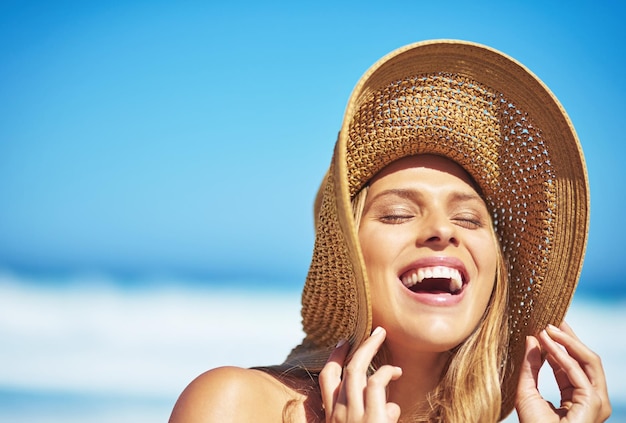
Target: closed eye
{"type": "Point", "coordinates": [395, 219]}
{"type": "Point", "coordinates": [469, 221]}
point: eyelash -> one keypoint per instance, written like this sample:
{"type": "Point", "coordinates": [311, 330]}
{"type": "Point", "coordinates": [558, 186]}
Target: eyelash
{"type": "Point", "coordinates": [395, 218]}
{"type": "Point", "coordinates": [469, 222]}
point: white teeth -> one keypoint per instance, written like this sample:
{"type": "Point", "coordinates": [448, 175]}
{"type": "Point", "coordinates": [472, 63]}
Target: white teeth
{"type": "Point", "coordinates": [407, 280]}
{"type": "Point", "coordinates": [438, 272]}
{"type": "Point", "coordinates": [421, 275]}
{"type": "Point", "coordinates": [455, 284]}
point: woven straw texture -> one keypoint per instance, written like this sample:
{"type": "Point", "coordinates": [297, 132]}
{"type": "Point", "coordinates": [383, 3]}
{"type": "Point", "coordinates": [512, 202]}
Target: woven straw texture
{"type": "Point", "coordinates": [491, 115]}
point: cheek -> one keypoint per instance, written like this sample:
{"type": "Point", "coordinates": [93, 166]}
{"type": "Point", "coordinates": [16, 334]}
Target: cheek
{"type": "Point", "coordinates": [379, 250]}
{"type": "Point", "coordinates": [374, 245]}
{"type": "Point", "coordinates": [376, 264]}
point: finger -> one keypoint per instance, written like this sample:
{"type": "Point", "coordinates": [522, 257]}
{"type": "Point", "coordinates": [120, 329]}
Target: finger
{"type": "Point", "coordinates": [560, 374]}
{"type": "Point", "coordinates": [565, 327]}
{"type": "Point", "coordinates": [393, 412]}
{"type": "Point", "coordinates": [578, 396]}
{"type": "Point", "coordinates": [355, 373]}
{"type": "Point", "coordinates": [562, 380]}
{"type": "Point", "coordinates": [376, 404]}
{"type": "Point", "coordinates": [589, 361]}
{"type": "Point", "coordinates": [330, 376]}
{"type": "Point", "coordinates": [561, 359]}
{"type": "Point", "coordinates": [528, 400]}
{"type": "Point", "coordinates": [529, 372]}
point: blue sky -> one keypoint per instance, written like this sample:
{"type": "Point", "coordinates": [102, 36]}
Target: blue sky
{"type": "Point", "coordinates": [188, 138]}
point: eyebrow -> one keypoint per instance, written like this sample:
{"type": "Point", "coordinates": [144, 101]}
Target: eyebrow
{"type": "Point", "coordinates": [408, 194]}
{"type": "Point", "coordinates": [414, 195]}
{"type": "Point", "coordinates": [458, 196]}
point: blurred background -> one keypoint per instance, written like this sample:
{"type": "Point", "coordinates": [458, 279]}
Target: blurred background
{"type": "Point", "coordinates": [158, 163]}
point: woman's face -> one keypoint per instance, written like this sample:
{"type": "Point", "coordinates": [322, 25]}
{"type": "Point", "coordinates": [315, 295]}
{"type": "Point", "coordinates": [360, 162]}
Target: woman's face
{"type": "Point", "coordinates": [430, 253]}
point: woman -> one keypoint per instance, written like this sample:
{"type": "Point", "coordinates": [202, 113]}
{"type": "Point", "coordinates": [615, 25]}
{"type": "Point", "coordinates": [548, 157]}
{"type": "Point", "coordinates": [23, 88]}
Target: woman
{"type": "Point", "coordinates": [450, 233]}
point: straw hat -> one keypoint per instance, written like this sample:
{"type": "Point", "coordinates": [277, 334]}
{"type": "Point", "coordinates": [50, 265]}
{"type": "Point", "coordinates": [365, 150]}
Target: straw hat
{"type": "Point", "coordinates": [495, 118]}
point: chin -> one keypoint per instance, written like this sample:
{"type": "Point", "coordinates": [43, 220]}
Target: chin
{"type": "Point", "coordinates": [428, 337]}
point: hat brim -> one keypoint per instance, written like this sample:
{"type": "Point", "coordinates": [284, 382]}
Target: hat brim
{"type": "Point", "coordinates": [543, 229]}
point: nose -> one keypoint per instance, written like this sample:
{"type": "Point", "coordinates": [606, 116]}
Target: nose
{"type": "Point", "coordinates": [437, 231]}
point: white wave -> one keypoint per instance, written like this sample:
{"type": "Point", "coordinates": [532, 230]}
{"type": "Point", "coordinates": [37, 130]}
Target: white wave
{"type": "Point", "coordinates": [142, 342]}
{"type": "Point", "coordinates": [96, 338]}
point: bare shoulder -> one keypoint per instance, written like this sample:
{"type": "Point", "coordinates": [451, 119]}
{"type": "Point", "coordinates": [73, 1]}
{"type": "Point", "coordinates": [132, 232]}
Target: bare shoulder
{"type": "Point", "coordinates": [233, 394]}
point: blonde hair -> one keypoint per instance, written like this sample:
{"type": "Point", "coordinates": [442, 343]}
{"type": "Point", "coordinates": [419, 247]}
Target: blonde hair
{"type": "Point", "coordinates": [470, 386]}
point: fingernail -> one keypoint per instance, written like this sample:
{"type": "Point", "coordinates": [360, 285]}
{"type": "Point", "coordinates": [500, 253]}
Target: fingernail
{"type": "Point", "coordinates": [554, 328]}
{"type": "Point", "coordinates": [546, 334]}
{"type": "Point", "coordinates": [340, 343]}
{"type": "Point", "coordinates": [377, 331]}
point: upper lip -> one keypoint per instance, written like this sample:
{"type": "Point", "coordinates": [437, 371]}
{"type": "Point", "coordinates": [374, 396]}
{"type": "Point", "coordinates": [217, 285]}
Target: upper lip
{"type": "Point", "coordinates": [434, 261]}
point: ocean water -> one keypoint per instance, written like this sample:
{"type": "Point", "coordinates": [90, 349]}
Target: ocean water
{"type": "Point", "coordinates": [97, 350]}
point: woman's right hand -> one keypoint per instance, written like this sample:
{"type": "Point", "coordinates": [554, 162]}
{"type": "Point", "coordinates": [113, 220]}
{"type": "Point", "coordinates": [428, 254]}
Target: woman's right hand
{"type": "Point", "coordinates": [348, 394]}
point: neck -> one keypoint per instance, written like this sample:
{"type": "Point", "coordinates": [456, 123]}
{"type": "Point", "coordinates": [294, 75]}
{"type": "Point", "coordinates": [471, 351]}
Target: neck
{"type": "Point", "coordinates": [421, 373]}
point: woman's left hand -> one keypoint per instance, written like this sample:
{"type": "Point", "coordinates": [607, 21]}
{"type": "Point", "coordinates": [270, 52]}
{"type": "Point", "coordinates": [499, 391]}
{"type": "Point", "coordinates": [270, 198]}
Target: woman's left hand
{"type": "Point", "coordinates": [578, 372]}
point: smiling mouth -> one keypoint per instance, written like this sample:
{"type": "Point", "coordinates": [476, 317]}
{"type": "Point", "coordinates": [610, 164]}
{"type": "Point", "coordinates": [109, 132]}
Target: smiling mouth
{"type": "Point", "coordinates": [434, 280]}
